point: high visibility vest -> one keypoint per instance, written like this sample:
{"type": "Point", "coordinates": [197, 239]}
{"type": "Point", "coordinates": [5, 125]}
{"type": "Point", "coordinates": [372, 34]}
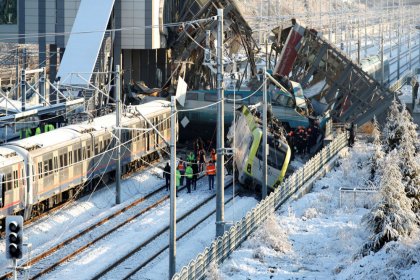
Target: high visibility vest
{"type": "Point", "coordinates": [213, 156]}
{"type": "Point", "coordinates": [37, 131]}
{"type": "Point", "coordinates": [178, 178]}
{"type": "Point", "coordinates": [28, 133]}
{"type": "Point", "coordinates": [49, 127]}
{"type": "Point", "coordinates": [189, 172]}
{"type": "Point", "coordinates": [191, 157]}
{"type": "Point", "coordinates": [181, 166]}
{"type": "Point", "coordinates": [211, 169]}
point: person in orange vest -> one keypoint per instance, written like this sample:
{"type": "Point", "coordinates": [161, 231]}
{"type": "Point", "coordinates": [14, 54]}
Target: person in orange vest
{"type": "Point", "coordinates": [181, 168]}
{"type": "Point", "coordinates": [211, 172]}
{"type": "Point", "coordinates": [213, 155]}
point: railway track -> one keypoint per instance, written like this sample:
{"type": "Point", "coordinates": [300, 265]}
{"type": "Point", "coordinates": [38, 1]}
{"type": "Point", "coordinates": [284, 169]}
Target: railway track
{"type": "Point", "coordinates": [123, 263]}
{"type": "Point", "coordinates": [44, 259]}
{"type": "Point", "coordinates": [31, 221]}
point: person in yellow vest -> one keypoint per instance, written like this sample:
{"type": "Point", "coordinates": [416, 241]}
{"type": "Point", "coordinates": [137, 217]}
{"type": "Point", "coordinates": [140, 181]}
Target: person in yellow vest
{"type": "Point", "coordinates": [38, 131]}
{"type": "Point", "coordinates": [189, 176]}
{"type": "Point", "coordinates": [177, 181]}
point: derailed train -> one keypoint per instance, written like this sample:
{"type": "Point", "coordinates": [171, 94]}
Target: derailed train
{"type": "Point", "coordinates": [42, 171]}
{"type": "Point", "coordinates": [249, 151]}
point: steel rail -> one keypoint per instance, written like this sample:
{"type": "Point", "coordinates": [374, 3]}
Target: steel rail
{"type": "Point", "coordinates": [156, 235]}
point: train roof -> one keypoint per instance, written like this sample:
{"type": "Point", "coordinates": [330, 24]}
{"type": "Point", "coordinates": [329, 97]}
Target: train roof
{"type": "Point", "coordinates": [109, 120]}
{"type": "Point", "coordinates": [8, 156]}
{"type": "Point", "coordinates": [47, 139]}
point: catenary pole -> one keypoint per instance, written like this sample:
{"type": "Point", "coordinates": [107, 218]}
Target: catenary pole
{"type": "Point", "coordinates": [117, 123]}
{"type": "Point", "coordinates": [264, 140]}
{"type": "Point", "coordinates": [220, 194]}
{"type": "Point", "coordinates": [172, 230]}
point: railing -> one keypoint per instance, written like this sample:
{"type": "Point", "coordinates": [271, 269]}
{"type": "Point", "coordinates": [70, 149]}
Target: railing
{"type": "Point", "coordinates": [401, 82]}
{"type": "Point", "coordinates": [223, 246]}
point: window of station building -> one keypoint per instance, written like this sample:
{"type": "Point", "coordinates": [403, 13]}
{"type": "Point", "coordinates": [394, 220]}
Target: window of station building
{"type": "Point", "coordinates": [8, 12]}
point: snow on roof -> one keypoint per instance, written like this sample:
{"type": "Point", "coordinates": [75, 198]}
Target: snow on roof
{"type": "Point", "coordinates": [47, 139]}
{"type": "Point", "coordinates": [146, 109]}
{"type": "Point", "coordinates": [7, 156]}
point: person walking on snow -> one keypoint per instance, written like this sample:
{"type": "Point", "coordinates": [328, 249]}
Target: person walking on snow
{"type": "Point", "coordinates": [181, 168]}
{"type": "Point", "coordinates": [178, 181]}
{"type": "Point", "coordinates": [167, 175]}
{"type": "Point", "coordinates": [211, 172]}
{"type": "Point", "coordinates": [189, 176]}
{"type": "Point", "coordinates": [195, 175]}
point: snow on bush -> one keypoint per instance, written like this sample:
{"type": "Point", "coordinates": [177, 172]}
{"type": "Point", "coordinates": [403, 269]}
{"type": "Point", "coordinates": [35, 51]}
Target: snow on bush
{"type": "Point", "coordinates": [393, 129]}
{"type": "Point", "coordinates": [213, 272]}
{"type": "Point", "coordinates": [270, 235]}
{"type": "Point", "coordinates": [391, 217]}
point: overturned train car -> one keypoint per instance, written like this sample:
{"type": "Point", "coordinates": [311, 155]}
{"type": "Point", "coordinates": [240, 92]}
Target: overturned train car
{"type": "Point", "coordinates": [245, 135]}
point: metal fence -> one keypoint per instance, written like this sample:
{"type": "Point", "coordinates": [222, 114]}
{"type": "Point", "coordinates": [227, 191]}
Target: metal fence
{"type": "Point", "coordinates": [223, 246]}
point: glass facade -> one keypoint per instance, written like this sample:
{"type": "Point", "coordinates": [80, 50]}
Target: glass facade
{"type": "Point", "coordinates": [8, 11]}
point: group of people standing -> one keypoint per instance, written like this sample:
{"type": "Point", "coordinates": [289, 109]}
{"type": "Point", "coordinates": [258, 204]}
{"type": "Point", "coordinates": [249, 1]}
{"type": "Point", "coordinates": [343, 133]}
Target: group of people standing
{"type": "Point", "coordinates": [191, 168]}
{"type": "Point", "coordinates": [302, 139]}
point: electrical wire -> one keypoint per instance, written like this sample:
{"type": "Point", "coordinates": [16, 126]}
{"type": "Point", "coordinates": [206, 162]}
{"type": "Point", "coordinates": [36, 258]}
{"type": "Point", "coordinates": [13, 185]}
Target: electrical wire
{"type": "Point", "coordinates": [50, 34]}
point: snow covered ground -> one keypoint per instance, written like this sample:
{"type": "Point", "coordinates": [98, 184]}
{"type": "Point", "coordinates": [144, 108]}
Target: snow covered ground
{"type": "Point", "coordinates": [78, 215]}
{"type": "Point", "coordinates": [315, 238]}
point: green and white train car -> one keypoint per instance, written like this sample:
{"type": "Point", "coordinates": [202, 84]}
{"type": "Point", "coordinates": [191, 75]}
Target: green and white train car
{"type": "Point", "coordinates": [245, 135]}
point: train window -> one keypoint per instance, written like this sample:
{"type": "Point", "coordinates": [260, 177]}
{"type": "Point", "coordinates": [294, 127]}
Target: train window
{"type": "Point", "coordinates": [192, 96]}
{"type": "Point", "coordinates": [46, 168]}
{"type": "Point", "coordinates": [61, 161]}
{"type": "Point", "coordinates": [55, 165]}
{"type": "Point", "coordinates": [50, 166]}
{"type": "Point", "coordinates": [40, 170]}
{"type": "Point", "coordinates": [70, 158]}
{"type": "Point", "coordinates": [79, 154]}
{"type": "Point", "coordinates": [75, 156]}
{"type": "Point", "coordinates": [15, 179]}
{"type": "Point", "coordinates": [96, 149]}
{"type": "Point", "coordinates": [231, 97]}
{"type": "Point", "coordinates": [88, 152]}
{"type": "Point", "coordinates": [210, 97]}
{"type": "Point", "coordinates": [9, 182]}
{"type": "Point", "coordinates": [101, 146]}
{"type": "Point", "coordinates": [255, 99]}
{"type": "Point", "coordinates": [65, 159]}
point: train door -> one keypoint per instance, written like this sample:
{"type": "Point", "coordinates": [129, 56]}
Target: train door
{"type": "Point", "coordinates": [8, 189]}
{"type": "Point", "coordinates": [56, 169]}
{"type": "Point", "coordinates": [15, 185]}
{"type": "Point", "coordinates": [70, 163]}
{"type": "Point", "coordinates": [1, 191]}
{"type": "Point", "coordinates": [146, 125]}
{"type": "Point", "coordinates": [157, 137]}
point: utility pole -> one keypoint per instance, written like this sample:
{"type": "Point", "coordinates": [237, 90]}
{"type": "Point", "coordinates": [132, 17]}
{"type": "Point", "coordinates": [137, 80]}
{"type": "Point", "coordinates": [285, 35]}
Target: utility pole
{"type": "Point", "coordinates": [382, 53]}
{"type": "Point", "coordinates": [118, 115]}
{"type": "Point", "coordinates": [264, 140]}
{"type": "Point", "coordinates": [399, 39]}
{"type": "Point", "coordinates": [172, 230]}
{"type": "Point", "coordinates": [220, 195]}
{"type": "Point", "coordinates": [23, 80]}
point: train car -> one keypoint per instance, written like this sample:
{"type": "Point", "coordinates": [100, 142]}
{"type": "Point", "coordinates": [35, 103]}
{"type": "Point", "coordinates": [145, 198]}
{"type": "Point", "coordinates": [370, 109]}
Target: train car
{"type": "Point", "coordinates": [372, 65]}
{"type": "Point", "coordinates": [12, 182]}
{"type": "Point", "coordinates": [57, 164]}
{"type": "Point", "coordinates": [249, 151]}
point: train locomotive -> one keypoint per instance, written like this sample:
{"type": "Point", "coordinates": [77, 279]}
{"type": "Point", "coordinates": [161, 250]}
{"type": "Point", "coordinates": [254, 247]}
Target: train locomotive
{"type": "Point", "coordinates": [246, 137]}
{"type": "Point", "coordinates": [40, 172]}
